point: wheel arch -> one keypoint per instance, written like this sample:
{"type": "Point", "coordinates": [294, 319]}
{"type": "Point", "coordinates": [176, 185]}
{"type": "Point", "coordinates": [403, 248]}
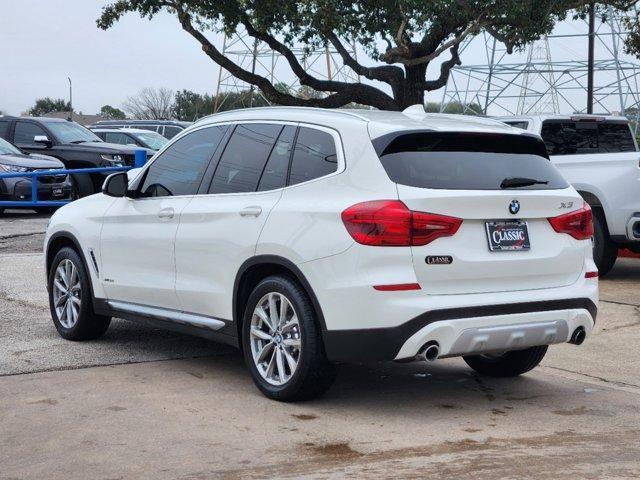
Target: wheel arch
{"type": "Point", "coordinates": [58, 241]}
{"type": "Point", "coordinates": [252, 271]}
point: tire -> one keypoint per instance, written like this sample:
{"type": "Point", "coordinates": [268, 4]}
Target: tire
{"type": "Point", "coordinates": [510, 364]}
{"type": "Point", "coordinates": [81, 322]}
{"type": "Point", "coordinates": [1, 212]}
{"type": "Point", "coordinates": [605, 252]}
{"type": "Point", "coordinates": [81, 186]}
{"type": "Point", "coordinates": [313, 374]}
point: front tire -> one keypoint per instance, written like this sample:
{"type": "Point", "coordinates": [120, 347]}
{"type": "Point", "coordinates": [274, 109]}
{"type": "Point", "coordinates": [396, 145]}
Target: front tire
{"type": "Point", "coordinates": [70, 299]}
{"type": "Point", "coordinates": [605, 252]}
{"type": "Point", "coordinates": [282, 343]}
{"type": "Point", "coordinates": [509, 364]}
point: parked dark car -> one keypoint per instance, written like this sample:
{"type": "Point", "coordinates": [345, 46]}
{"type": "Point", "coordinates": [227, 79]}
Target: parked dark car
{"type": "Point", "coordinates": [166, 128]}
{"type": "Point", "coordinates": [132, 136]}
{"type": "Point", "coordinates": [18, 189]}
{"type": "Point", "coordinates": [74, 145]}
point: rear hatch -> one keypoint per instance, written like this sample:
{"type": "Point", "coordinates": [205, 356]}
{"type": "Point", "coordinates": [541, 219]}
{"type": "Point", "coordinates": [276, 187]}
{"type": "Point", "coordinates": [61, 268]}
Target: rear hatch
{"type": "Point", "coordinates": [505, 241]}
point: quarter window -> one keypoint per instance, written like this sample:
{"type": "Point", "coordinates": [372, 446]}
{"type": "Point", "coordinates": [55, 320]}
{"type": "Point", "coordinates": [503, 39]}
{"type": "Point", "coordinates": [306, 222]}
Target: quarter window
{"type": "Point", "coordinates": [244, 158]}
{"type": "Point", "coordinates": [180, 168]}
{"type": "Point", "coordinates": [26, 131]}
{"type": "Point", "coordinates": [314, 156]}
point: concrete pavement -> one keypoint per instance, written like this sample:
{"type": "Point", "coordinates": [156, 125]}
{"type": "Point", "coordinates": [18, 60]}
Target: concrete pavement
{"type": "Point", "coordinates": [144, 403]}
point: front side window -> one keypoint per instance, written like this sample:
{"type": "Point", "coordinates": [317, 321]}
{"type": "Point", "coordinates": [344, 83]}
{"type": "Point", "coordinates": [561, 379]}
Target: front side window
{"type": "Point", "coordinates": [314, 156]}
{"type": "Point", "coordinates": [171, 131]}
{"type": "Point", "coordinates": [470, 161]}
{"type": "Point", "coordinates": [244, 158]}
{"type": "Point", "coordinates": [568, 137]}
{"type": "Point", "coordinates": [25, 133]}
{"type": "Point", "coordinates": [180, 168]}
{"type": "Point", "coordinates": [120, 138]}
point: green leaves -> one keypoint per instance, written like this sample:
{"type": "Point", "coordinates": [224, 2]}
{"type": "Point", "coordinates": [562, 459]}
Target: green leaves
{"type": "Point", "coordinates": [402, 36]}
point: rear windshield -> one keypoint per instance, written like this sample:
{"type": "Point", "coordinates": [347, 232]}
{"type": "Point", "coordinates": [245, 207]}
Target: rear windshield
{"type": "Point", "coordinates": [566, 137]}
{"type": "Point", "coordinates": [468, 161]}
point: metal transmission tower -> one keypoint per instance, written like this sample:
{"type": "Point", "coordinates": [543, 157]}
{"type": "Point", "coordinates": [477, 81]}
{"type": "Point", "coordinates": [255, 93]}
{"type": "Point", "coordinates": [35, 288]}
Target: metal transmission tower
{"type": "Point", "coordinates": [553, 77]}
{"type": "Point", "coordinates": [258, 58]}
{"type": "Point", "coordinates": [538, 92]}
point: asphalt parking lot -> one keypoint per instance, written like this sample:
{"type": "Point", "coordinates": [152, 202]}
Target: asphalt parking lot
{"type": "Point", "coordinates": [144, 403]}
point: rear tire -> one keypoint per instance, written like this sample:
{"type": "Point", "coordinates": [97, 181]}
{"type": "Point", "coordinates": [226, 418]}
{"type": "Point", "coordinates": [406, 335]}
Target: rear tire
{"type": "Point", "coordinates": [70, 299]}
{"type": "Point", "coordinates": [302, 372]}
{"type": "Point", "coordinates": [510, 364]}
{"type": "Point", "coordinates": [605, 252]}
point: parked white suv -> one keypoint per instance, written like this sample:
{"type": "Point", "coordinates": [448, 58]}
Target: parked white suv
{"type": "Point", "coordinates": [311, 237]}
{"type": "Point", "coordinates": [598, 155]}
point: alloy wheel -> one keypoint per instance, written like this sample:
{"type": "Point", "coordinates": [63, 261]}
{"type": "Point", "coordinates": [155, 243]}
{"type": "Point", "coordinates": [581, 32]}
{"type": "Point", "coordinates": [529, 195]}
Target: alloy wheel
{"type": "Point", "coordinates": [275, 338]}
{"type": "Point", "coordinates": [66, 293]}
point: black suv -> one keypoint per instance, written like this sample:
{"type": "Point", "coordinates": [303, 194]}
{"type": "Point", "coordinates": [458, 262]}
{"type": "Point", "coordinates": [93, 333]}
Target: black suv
{"type": "Point", "coordinates": [74, 145]}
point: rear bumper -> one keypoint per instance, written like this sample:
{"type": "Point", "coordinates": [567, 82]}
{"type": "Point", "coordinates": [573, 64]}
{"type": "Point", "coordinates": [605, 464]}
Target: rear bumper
{"type": "Point", "coordinates": [469, 330]}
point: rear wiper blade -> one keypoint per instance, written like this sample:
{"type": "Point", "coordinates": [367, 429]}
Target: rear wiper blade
{"type": "Point", "coordinates": [515, 182]}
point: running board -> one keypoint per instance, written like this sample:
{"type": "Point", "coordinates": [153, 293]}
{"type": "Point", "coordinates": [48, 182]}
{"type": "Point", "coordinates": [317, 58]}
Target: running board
{"type": "Point", "coordinates": [167, 314]}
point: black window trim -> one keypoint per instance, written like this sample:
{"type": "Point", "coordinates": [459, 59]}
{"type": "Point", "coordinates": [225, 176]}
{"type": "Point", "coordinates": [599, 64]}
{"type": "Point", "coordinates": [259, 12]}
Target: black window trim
{"type": "Point", "coordinates": [337, 141]}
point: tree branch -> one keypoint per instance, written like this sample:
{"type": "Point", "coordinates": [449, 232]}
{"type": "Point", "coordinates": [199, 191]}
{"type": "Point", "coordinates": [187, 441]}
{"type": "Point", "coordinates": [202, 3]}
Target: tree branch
{"type": "Point", "coordinates": [385, 73]}
{"type": "Point", "coordinates": [345, 93]}
{"type": "Point", "coordinates": [445, 68]}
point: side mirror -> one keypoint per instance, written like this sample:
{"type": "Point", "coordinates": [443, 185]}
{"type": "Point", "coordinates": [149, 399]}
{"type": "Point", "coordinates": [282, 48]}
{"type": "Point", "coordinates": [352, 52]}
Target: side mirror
{"type": "Point", "coordinates": [116, 184]}
{"type": "Point", "coordinates": [42, 140]}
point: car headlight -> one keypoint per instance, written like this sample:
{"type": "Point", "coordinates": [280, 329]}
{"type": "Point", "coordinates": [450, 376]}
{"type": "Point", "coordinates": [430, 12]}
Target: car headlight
{"type": "Point", "coordinates": [113, 160]}
{"type": "Point", "coordinates": [13, 168]}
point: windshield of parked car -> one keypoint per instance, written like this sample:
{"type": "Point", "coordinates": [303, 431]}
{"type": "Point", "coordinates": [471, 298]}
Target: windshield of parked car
{"type": "Point", "coordinates": [71, 132]}
{"type": "Point", "coordinates": [151, 139]}
{"type": "Point", "coordinates": [7, 149]}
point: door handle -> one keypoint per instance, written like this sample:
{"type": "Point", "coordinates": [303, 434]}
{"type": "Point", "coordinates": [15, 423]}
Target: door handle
{"type": "Point", "coordinates": [253, 211]}
{"type": "Point", "coordinates": [166, 213]}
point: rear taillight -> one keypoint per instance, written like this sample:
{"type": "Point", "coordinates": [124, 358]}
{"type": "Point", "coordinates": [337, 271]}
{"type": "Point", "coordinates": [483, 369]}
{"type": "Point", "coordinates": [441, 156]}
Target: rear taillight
{"type": "Point", "coordinates": [389, 223]}
{"type": "Point", "coordinates": [578, 224]}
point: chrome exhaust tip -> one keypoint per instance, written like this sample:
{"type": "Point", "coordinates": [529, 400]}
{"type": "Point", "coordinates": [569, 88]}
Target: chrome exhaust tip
{"type": "Point", "coordinates": [429, 352]}
{"type": "Point", "coordinates": [578, 336]}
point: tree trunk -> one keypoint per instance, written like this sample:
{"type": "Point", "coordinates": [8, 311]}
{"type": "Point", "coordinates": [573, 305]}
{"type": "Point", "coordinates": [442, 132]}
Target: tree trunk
{"type": "Point", "coordinates": [412, 92]}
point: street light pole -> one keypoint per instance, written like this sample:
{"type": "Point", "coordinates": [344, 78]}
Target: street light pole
{"type": "Point", "coordinates": [70, 100]}
{"type": "Point", "coordinates": [592, 23]}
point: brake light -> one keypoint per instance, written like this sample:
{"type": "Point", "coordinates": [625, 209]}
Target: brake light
{"type": "Point", "coordinates": [390, 223]}
{"type": "Point", "coordinates": [578, 224]}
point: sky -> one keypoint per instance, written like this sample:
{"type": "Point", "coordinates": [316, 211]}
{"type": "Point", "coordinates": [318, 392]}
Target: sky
{"type": "Point", "coordinates": [42, 42]}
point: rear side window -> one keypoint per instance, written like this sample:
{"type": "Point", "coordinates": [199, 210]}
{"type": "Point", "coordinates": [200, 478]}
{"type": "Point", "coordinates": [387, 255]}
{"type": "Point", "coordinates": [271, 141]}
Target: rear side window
{"type": "Point", "coordinates": [244, 158]}
{"type": "Point", "coordinates": [314, 156]}
{"type": "Point", "coordinates": [573, 138]}
{"type": "Point", "coordinates": [275, 171]}
{"type": "Point", "coordinates": [180, 168]}
{"type": "Point", "coordinates": [463, 161]}
{"type": "Point", "coordinates": [171, 131]}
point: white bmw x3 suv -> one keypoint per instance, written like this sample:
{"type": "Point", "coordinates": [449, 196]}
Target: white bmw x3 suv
{"type": "Point", "coordinates": [312, 237]}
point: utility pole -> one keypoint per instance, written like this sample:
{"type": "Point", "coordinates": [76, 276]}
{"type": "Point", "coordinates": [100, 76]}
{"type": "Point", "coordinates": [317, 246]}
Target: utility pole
{"type": "Point", "coordinates": [70, 100]}
{"type": "Point", "coordinates": [592, 27]}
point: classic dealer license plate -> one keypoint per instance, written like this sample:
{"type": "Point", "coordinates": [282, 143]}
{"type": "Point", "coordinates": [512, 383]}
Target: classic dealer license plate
{"type": "Point", "coordinates": [508, 236]}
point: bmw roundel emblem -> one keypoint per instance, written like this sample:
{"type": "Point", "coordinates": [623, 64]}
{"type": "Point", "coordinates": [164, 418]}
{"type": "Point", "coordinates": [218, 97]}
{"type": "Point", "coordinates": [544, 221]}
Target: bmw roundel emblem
{"type": "Point", "coordinates": [514, 206]}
